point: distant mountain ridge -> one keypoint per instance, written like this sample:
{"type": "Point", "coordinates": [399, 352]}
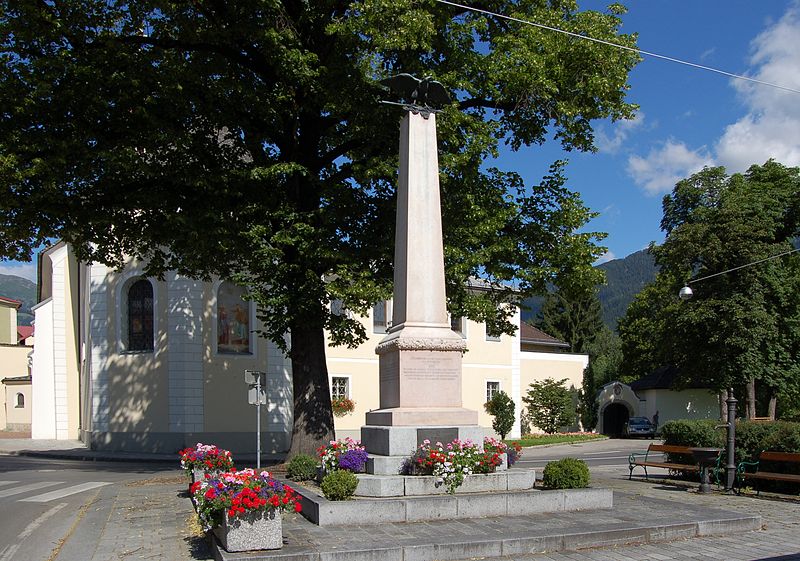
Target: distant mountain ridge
{"type": "Point", "coordinates": [625, 279]}
{"type": "Point", "coordinates": [19, 288]}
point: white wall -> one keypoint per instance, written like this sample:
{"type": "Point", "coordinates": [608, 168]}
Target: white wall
{"type": "Point", "coordinates": [43, 403]}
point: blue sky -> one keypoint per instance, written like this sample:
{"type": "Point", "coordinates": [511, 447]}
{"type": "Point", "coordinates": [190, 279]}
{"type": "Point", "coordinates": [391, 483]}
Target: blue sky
{"type": "Point", "coordinates": [688, 117]}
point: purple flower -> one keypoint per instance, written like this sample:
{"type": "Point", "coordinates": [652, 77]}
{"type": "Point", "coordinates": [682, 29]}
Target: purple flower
{"type": "Point", "coordinates": [353, 460]}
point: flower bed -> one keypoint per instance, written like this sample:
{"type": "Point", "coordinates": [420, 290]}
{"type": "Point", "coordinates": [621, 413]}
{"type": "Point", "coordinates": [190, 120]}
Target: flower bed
{"type": "Point", "coordinates": [512, 451]}
{"type": "Point", "coordinates": [347, 454]}
{"type": "Point", "coordinates": [205, 457]}
{"type": "Point", "coordinates": [452, 462]}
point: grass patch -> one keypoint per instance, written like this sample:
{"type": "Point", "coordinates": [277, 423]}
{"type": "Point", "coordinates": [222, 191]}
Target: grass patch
{"type": "Point", "coordinates": [541, 439]}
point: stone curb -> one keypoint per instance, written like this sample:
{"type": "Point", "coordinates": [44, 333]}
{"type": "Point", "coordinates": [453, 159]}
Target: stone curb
{"type": "Point", "coordinates": [458, 548]}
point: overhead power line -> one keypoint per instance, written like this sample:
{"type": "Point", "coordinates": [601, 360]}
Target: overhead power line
{"type": "Point", "coordinates": [618, 46]}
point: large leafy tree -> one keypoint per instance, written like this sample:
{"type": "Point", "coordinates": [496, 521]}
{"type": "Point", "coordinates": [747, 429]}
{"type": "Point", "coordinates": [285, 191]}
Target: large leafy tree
{"type": "Point", "coordinates": [246, 139]}
{"type": "Point", "coordinates": [740, 327]}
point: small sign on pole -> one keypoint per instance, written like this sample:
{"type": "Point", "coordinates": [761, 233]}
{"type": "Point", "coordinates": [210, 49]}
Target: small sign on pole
{"type": "Point", "coordinates": [257, 395]}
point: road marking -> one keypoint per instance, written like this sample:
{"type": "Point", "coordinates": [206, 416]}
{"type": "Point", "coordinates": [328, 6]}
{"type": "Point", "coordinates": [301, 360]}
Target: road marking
{"type": "Point", "coordinates": [8, 552]}
{"type": "Point", "coordinates": [26, 488]}
{"type": "Point", "coordinates": [2, 483]}
{"type": "Point", "coordinates": [65, 492]}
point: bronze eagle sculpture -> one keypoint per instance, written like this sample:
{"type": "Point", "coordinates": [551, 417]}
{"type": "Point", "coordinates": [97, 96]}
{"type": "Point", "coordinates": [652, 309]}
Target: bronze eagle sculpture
{"type": "Point", "coordinates": [425, 95]}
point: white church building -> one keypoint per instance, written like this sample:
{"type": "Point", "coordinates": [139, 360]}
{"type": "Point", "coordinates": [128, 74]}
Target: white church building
{"type": "Point", "coordinates": [123, 361]}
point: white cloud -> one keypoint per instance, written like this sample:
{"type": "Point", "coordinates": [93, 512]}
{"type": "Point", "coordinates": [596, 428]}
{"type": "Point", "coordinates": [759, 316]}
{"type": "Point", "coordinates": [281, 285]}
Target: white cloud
{"type": "Point", "coordinates": [605, 258]}
{"type": "Point", "coordinates": [770, 127]}
{"type": "Point", "coordinates": [664, 166]}
{"type": "Point", "coordinates": [621, 130]}
{"type": "Point", "coordinates": [25, 270]}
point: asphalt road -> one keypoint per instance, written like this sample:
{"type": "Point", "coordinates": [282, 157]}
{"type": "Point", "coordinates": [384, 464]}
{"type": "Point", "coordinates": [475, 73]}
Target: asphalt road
{"type": "Point", "coordinates": [597, 453]}
{"type": "Point", "coordinates": [41, 500]}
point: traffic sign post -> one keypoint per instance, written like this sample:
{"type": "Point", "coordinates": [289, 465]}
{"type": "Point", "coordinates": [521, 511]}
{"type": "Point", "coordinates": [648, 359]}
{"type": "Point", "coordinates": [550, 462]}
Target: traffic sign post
{"type": "Point", "coordinates": [256, 395]}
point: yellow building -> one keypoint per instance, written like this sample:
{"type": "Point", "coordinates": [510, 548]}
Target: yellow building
{"type": "Point", "coordinates": [15, 414]}
{"type": "Point", "coordinates": [128, 362]}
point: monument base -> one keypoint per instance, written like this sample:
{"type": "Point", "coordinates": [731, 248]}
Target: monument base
{"type": "Point", "coordinates": [390, 446]}
{"type": "Point", "coordinates": [422, 417]}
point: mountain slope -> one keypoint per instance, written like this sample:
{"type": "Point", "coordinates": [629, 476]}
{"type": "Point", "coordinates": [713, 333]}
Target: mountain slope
{"type": "Point", "coordinates": [626, 278]}
{"type": "Point", "coordinates": [18, 288]}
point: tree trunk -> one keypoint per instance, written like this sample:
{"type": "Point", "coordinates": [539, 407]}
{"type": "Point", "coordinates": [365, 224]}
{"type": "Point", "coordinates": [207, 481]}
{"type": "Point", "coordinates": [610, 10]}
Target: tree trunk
{"type": "Point", "coordinates": [313, 416]}
{"type": "Point", "coordinates": [723, 406]}
{"type": "Point", "coordinates": [773, 405]}
{"type": "Point", "coordinates": [751, 398]}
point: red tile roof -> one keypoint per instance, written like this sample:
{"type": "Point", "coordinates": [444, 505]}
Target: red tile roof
{"type": "Point", "coordinates": [23, 332]}
{"type": "Point", "coordinates": [10, 301]}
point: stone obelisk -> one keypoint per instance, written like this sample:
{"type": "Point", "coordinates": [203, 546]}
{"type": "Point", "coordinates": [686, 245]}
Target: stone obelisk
{"type": "Point", "coordinates": [420, 357]}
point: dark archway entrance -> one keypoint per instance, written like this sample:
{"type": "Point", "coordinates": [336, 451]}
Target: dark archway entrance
{"type": "Point", "coordinates": [615, 415]}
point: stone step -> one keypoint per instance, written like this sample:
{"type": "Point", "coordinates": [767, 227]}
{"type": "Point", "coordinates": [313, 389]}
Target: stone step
{"type": "Point", "coordinates": [413, 485]}
{"type": "Point", "coordinates": [361, 511]}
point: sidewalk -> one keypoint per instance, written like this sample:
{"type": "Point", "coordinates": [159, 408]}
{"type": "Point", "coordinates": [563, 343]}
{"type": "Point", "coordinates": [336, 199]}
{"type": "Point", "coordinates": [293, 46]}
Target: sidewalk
{"type": "Point", "coordinates": [153, 519]}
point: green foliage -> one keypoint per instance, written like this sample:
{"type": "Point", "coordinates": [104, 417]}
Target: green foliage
{"type": "Point", "coordinates": [752, 437]}
{"type": "Point", "coordinates": [567, 473]}
{"type": "Point", "coordinates": [246, 140]}
{"type": "Point", "coordinates": [550, 404]}
{"type": "Point", "coordinates": [739, 326]}
{"type": "Point", "coordinates": [302, 467]}
{"type": "Point", "coordinates": [339, 485]}
{"type": "Point", "coordinates": [605, 358]}
{"type": "Point", "coordinates": [572, 316]}
{"type": "Point", "coordinates": [697, 433]}
{"type": "Point", "coordinates": [501, 407]}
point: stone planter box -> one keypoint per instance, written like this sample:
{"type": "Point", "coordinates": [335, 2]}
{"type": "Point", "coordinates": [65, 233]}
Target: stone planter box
{"type": "Point", "coordinates": [251, 531]}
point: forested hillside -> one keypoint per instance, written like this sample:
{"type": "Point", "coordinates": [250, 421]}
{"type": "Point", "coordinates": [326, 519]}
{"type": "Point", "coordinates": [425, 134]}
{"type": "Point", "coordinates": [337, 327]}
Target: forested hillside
{"type": "Point", "coordinates": [18, 288]}
{"type": "Point", "coordinates": [626, 277]}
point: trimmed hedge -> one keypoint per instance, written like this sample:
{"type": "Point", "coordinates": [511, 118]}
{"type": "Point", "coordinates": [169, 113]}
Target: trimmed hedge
{"type": "Point", "coordinates": [752, 437]}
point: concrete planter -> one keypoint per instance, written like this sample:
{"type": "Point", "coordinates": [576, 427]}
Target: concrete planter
{"type": "Point", "coordinates": [251, 531]}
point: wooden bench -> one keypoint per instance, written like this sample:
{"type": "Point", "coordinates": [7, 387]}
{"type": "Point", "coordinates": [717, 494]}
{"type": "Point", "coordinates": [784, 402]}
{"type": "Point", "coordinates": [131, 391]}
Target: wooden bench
{"type": "Point", "coordinates": [660, 450]}
{"type": "Point", "coordinates": [758, 475]}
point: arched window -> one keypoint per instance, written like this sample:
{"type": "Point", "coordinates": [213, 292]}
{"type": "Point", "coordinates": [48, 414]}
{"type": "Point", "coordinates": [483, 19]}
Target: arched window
{"type": "Point", "coordinates": [20, 400]}
{"type": "Point", "coordinates": [233, 320]}
{"type": "Point", "coordinates": [140, 316]}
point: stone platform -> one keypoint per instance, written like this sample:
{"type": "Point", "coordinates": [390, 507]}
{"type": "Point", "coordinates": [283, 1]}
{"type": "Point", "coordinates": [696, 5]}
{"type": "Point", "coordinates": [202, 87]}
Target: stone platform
{"type": "Point", "coordinates": [633, 520]}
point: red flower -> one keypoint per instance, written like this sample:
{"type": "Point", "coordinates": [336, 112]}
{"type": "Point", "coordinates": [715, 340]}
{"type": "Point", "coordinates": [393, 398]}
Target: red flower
{"type": "Point", "coordinates": [298, 507]}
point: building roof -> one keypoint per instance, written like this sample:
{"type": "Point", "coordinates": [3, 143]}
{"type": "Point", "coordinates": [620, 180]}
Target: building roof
{"type": "Point", "coordinates": [662, 378]}
{"type": "Point", "coordinates": [531, 335]}
{"type": "Point", "coordinates": [15, 303]}
{"type": "Point", "coordinates": [24, 331]}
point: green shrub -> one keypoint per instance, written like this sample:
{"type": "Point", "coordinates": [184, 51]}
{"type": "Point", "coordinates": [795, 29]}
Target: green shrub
{"type": "Point", "coordinates": [302, 468]}
{"type": "Point", "coordinates": [700, 434]}
{"type": "Point", "coordinates": [568, 473]}
{"type": "Point", "coordinates": [339, 485]}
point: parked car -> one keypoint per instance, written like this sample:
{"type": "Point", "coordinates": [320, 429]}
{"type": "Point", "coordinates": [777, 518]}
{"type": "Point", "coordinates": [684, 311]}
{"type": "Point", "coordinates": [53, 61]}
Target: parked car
{"type": "Point", "coordinates": [639, 426]}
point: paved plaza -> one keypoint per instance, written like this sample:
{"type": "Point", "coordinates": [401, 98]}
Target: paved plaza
{"type": "Point", "coordinates": [153, 519]}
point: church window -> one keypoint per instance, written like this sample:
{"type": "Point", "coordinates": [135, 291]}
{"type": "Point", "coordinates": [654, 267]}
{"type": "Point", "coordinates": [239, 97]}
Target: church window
{"type": "Point", "coordinates": [140, 316]}
{"type": "Point", "coordinates": [233, 320]}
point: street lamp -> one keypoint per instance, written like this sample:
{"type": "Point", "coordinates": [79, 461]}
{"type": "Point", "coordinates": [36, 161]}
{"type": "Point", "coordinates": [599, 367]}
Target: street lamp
{"type": "Point", "coordinates": [686, 292]}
